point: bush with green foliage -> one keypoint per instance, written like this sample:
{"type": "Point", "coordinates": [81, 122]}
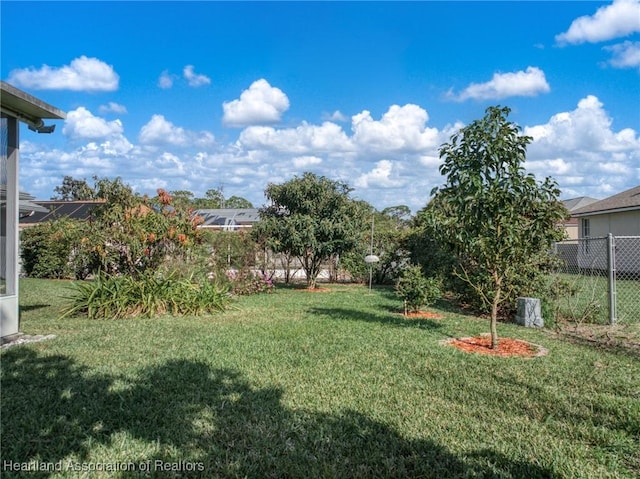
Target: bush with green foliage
{"type": "Point", "coordinates": [149, 295]}
{"type": "Point", "coordinates": [245, 282]}
{"type": "Point", "coordinates": [416, 290]}
{"type": "Point", "coordinates": [390, 232]}
{"type": "Point", "coordinates": [48, 250]}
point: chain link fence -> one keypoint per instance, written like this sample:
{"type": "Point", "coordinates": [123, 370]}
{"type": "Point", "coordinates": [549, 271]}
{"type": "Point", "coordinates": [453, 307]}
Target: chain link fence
{"type": "Point", "coordinates": [598, 279]}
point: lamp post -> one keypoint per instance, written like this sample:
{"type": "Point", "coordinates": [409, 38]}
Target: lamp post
{"type": "Point", "coordinates": [371, 258]}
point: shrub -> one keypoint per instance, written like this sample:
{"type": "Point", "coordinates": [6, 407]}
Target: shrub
{"type": "Point", "coordinates": [246, 282]}
{"type": "Point", "coordinates": [150, 294]}
{"type": "Point", "coordinates": [415, 290]}
{"type": "Point", "coordinates": [48, 249]}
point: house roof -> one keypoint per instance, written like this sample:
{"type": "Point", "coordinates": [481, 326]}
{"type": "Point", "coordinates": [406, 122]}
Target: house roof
{"type": "Point", "coordinates": [627, 200]}
{"type": "Point", "coordinates": [77, 210]}
{"type": "Point", "coordinates": [580, 202]}
{"type": "Point", "coordinates": [227, 217]}
{"type": "Point", "coordinates": [25, 107]}
{"type": "Point", "coordinates": [25, 202]}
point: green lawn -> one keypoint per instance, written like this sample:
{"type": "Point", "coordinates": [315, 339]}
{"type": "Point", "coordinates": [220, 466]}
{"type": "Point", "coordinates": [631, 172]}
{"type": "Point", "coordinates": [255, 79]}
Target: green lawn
{"type": "Point", "coordinates": [295, 384]}
{"type": "Point", "coordinates": [594, 290]}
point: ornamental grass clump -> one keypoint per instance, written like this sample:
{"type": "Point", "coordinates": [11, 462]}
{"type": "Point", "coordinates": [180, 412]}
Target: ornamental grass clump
{"type": "Point", "coordinates": [117, 297]}
{"type": "Point", "coordinates": [417, 291]}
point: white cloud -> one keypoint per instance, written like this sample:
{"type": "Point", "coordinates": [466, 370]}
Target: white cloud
{"type": "Point", "coordinates": [160, 131]}
{"type": "Point", "coordinates": [82, 124]}
{"type": "Point", "coordinates": [580, 146]}
{"type": "Point", "coordinates": [305, 139]}
{"type": "Point", "coordinates": [168, 163]}
{"type": "Point", "coordinates": [112, 107]}
{"type": "Point", "coordinates": [401, 129]}
{"type": "Point", "coordinates": [260, 104]}
{"type": "Point", "coordinates": [336, 116]}
{"type": "Point", "coordinates": [302, 162]}
{"type": "Point", "coordinates": [166, 80]}
{"type": "Point", "coordinates": [617, 20]}
{"type": "Point", "coordinates": [625, 55]}
{"type": "Point", "coordinates": [193, 78]}
{"type": "Point", "coordinates": [83, 74]}
{"type": "Point", "coordinates": [502, 85]}
{"type": "Point", "coordinates": [384, 175]}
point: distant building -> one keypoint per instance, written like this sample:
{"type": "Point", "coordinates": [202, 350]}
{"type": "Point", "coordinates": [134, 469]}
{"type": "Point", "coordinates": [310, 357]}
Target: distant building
{"type": "Point", "coordinates": [618, 215]}
{"type": "Point", "coordinates": [228, 219]}
{"type": "Point", "coordinates": [573, 204]}
{"type": "Point", "coordinates": [56, 209]}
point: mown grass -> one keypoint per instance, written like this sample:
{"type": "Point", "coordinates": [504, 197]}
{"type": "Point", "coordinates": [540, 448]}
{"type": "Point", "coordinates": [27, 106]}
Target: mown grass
{"type": "Point", "coordinates": [590, 303]}
{"type": "Point", "coordinates": [297, 384]}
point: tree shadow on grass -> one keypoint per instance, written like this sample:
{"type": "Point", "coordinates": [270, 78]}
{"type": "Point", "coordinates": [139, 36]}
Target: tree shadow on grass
{"type": "Point", "coordinates": [205, 422]}
{"type": "Point", "coordinates": [33, 307]}
{"type": "Point", "coordinates": [393, 317]}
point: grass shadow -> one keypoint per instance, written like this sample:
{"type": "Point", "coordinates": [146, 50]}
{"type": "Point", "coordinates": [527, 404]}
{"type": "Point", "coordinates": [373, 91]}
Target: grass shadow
{"type": "Point", "coordinates": [186, 412]}
{"type": "Point", "coordinates": [394, 317]}
{"type": "Point", "coordinates": [33, 307]}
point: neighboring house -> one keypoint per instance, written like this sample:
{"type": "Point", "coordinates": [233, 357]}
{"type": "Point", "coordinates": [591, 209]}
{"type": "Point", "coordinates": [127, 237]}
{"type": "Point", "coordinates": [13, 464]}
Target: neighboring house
{"type": "Point", "coordinates": [56, 209]}
{"type": "Point", "coordinates": [15, 106]}
{"type": "Point", "coordinates": [573, 204]}
{"type": "Point", "coordinates": [228, 219]}
{"type": "Point", "coordinates": [618, 215]}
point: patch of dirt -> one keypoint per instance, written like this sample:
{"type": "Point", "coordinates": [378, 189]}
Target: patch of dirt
{"type": "Point", "coordinates": [507, 347]}
{"type": "Point", "coordinates": [314, 290]}
{"type": "Point", "coordinates": [422, 315]}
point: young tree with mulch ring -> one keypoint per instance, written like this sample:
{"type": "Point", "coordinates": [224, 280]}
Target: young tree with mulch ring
{"type": "Point", "coordinates": [494, 219]}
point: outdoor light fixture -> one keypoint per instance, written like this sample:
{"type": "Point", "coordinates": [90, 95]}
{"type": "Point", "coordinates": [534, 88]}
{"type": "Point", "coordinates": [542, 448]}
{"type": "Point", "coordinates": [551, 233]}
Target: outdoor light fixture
{"type": "Point", "coordinates": [40, 127]}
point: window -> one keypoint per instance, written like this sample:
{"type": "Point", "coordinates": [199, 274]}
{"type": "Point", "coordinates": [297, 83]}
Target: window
{"type": "Point", "coordinates": [586, 233]}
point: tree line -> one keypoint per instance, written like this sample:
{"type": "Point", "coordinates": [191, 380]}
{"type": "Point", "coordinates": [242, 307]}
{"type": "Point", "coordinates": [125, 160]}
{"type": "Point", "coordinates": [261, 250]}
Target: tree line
{"type": "Point", "coordinates": [79, 189]}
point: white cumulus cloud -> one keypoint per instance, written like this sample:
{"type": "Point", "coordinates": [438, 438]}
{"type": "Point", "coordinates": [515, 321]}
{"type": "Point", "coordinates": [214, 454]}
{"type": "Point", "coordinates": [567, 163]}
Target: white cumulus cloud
{"type": "Point", "coordinates": [112, 107]}
{"type": "Point", "coordinates": [305, 139]}
{"type": "Point", "coordinates": [83, 74]}
{"type": "Point", "coordinates": [401, 128]}
{"type": "Point", "coordinates": [82, 124]}
{"type": "Point", "coordinates": [166, 80]}
{"type": "Point", "coordinates": [302, 162]}
{"type": "Point", "coordinates": [260, 104]}
{"type": "Point", "coordinates": [384, 175]}
{"type": "Point", "coordinates": [625, 55]}
{"type": "Point", "coordinates": [617, 20]}
{"type": "Point", "coordinates": [580, 145]}
{"type": "Point", "coordinates": [530, 82]}
{"type": "Point", "coordinates": [160, 131]}
{"type": "Point", "coordinates": [193, 78]}
{"type": "Point", "coordinates": [337, 116]}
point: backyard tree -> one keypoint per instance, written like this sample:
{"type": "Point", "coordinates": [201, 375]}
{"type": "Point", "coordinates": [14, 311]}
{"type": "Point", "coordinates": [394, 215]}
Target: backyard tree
{"type": "Point", "coordinates": [496, 221]}
{"type": "Point", "coordinates": [310, 217]}
{"type": "Point", "coordinates": [73, 189]}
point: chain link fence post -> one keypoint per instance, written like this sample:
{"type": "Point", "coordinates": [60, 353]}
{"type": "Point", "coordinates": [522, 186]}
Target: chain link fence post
{"type": "Point", "coordinates": [611, 263]}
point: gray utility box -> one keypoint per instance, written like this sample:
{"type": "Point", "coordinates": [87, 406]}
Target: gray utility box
{"type": "Point", "coordinates": [528, 314]}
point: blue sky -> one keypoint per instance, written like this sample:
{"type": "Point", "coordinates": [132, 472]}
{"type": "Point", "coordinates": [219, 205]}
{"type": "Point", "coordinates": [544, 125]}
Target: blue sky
{"type": "Point", "coordinates": [200, 95]}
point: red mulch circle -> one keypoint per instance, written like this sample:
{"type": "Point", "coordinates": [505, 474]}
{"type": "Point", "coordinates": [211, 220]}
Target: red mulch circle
{"type": "Point", "coordinates": [507, 347]}
{"type": "Point", "coordinates": [422, 315]}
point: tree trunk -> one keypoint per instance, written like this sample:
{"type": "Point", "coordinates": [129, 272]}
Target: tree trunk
{"type": "Point", "coordinates": [494, 312]}
{"type": "Point", "coordinates": [494, 325]}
